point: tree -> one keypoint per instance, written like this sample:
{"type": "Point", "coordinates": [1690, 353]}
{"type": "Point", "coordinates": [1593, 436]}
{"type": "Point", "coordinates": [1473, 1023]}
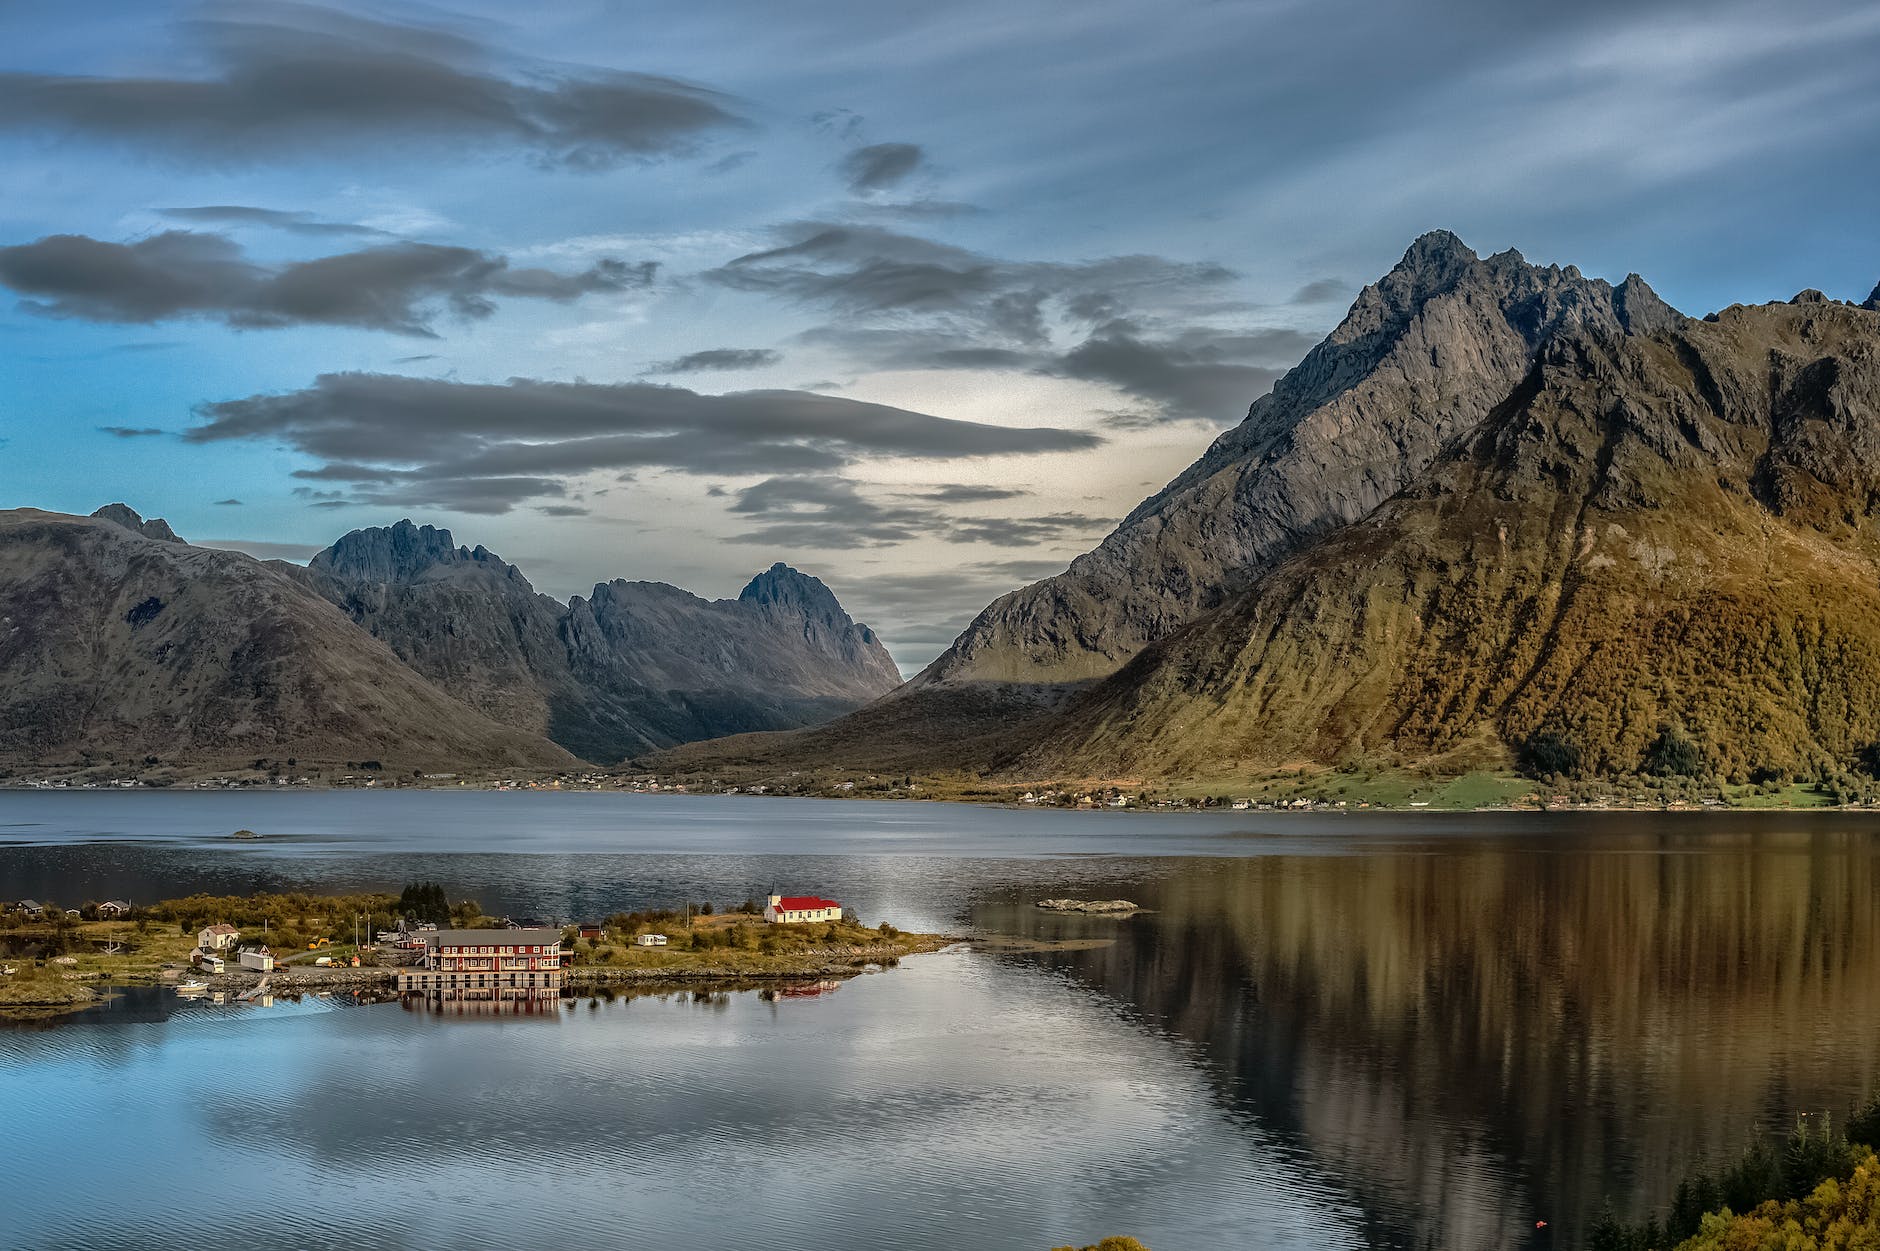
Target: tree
{"type": "Point", "coordinates": [1672, 753]}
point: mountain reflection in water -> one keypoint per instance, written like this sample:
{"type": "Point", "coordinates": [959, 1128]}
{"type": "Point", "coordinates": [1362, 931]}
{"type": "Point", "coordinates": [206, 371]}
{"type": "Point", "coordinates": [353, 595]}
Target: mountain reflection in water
{"type": "Point", "coordinates": [1473, 1039]}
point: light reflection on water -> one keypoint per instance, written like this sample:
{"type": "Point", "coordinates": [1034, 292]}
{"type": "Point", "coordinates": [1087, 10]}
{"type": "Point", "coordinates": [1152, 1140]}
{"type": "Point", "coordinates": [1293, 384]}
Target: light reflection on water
{"type": "Point", "coordinates": [1429, 1032]}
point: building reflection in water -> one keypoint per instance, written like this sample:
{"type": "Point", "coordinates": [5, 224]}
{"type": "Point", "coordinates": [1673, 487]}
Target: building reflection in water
{"type": "Point", "coordinates": [488, 1001]}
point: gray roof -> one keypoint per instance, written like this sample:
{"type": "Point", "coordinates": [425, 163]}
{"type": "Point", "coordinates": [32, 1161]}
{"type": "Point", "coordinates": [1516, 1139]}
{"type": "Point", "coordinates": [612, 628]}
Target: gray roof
{"type": "Point", "coordinates": [490, 938]}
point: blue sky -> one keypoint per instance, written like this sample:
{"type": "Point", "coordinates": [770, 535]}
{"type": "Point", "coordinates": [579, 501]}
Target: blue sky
{"type": "Point", "coordinates": [920, 301]}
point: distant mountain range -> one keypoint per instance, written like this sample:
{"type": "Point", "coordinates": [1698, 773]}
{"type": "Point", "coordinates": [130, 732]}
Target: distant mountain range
{"type": "Point", "coordinates": [123, 644]}
{"type": "Point", "coordinates": [1502, 514]}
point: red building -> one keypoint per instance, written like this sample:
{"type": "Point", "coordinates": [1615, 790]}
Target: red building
{"type": "Point", "coordinates": [486, 958]}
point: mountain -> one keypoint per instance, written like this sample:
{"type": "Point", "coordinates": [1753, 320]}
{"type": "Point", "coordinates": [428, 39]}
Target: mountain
{"type": "Point", "coordinates": [122, 644]}
{"type": "Point", "coordinates": [1651, 535]}
{"type": "Point", "coordinates": [1501, 509]}
{"type": "Point", "coordinates": [632, 667]}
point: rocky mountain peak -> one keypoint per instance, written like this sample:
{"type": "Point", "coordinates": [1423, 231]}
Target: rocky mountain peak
{"type": "Point", "coordinates": [1873, 301]}
{"type": "Point", "coordinates": [399, 553]}
{"type": "Point", "coordinates": [783, 589]}
{"type": "Point", "coordinates": [126, 516]}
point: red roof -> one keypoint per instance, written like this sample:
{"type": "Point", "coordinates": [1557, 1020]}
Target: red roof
{"type": "Point", "coordinates": [804, 903]}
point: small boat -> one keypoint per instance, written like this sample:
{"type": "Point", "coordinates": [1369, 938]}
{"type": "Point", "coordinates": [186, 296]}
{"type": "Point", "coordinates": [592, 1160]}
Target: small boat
{"type": "Point", "coordinates": [191, 987]}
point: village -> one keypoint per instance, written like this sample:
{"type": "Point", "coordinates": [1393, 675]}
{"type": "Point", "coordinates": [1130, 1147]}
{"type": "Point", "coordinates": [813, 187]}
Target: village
{"type": "Point", "coordinates": [65, 957]}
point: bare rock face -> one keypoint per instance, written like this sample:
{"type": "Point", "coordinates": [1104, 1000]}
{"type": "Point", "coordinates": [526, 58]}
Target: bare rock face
{"type": "Point", "coordinates": [1873, 298]}
{"type": "Point", "coordinates": [123, 646]}
{"type": "Point", "coordinates": [1671, 527]}
{"type": "Point", "coordinates": [632, 667]}
{"type": "Point", "coordinates": [123, 515]}
{"type": "Point", "coordinates": [1424, 354]}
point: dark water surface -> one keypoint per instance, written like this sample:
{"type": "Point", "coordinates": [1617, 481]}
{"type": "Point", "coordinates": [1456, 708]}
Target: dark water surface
{"type": "Point", "coordinates": [1331, 1031]}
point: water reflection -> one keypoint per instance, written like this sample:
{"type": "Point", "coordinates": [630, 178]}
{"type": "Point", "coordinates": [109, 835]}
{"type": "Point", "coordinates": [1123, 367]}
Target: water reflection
{"type": "Point", "coordinates": [1474, 1039]}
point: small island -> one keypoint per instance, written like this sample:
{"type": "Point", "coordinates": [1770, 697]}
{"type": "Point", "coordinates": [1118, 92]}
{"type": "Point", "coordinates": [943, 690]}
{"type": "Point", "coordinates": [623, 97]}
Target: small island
{"type": "Point", "coordinates": [1099, 907]}
{"type": "Point", "coordinates": [59, 960]}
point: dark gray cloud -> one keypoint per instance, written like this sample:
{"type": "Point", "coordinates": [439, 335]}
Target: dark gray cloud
{"type": "Point", "coordinates": [1027, 531]}
{"type": "Point", "coordinates": [1322, 291]}
{"type": "Point", "coordinates": [292, 222]}
{"type": "Point", "coordinates": [1144, 325]}
{"type": "Point", "coordinates": [398, 287]}
{"type": "Point", "coordinates": [484, 448]}
{"type": "Point", "coordinates": [284, 80]}
{"type": "Point", "coordinates": [718, 359]}
{"type": "Point", "coordinates": [130, 432]}
{"type": "Point", "coordinates": [1198, 375]}
{"type": "Point", "coordinates": [881, 166]}
{"type": "Point", "coordinates": [835, 513]}
{"type": "Point", "coordinates": [967, 493]}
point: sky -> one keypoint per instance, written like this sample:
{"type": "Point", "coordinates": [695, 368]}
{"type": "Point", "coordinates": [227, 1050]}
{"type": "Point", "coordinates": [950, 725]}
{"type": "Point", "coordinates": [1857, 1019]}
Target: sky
{"type": "Point", "coordinates": [919, 300]}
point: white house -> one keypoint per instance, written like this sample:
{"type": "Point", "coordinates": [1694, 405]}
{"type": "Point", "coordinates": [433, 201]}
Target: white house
{"type": "Point", "coordinates": [796, 909]}
{"type": "Point", "coordinates": [218, 937]}
{"type": "Point", "coordinates": [259, 959]}
{"type": "Point", "coordinates": [649, 940]}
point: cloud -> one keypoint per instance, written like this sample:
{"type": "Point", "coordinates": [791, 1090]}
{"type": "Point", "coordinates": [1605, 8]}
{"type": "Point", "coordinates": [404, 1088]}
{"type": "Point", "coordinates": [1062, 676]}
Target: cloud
{"type": "Point", "coordinates": [298, 553]}
{"type": "Point", "coordinates": [130, 432]}
{"type": "Point", "coordinates": [881, 166]}
{"type": "Point", "coordinates": [287, 80]}
{"type": "Point", "coordinates": [1321, 291]}
{"type": "Point", "coordinates": [398, 287]}
{"type": "Point", "coordinates": [718, 359]}
{"type": "Point", "coordinates": [298, 223]}
{"type": "Point", "coordinates": [834, 513]}
{"type": "Point", "coordinates": [1144, 325]}
{"type": "Point", "coordinates": [481, 447]}
{"type": "Point", "coordinates": [1198, 375]}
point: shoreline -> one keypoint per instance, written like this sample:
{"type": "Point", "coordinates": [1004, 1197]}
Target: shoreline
{"type": "Point", "coordinates": [1134, 809]}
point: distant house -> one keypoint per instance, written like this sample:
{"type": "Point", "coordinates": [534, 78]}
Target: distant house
{"type": "Point", "coordinates": [112, 909]}
{"type": "Point", "coordinates": [650, 940]}
{"type": "Point", "coordinates": [32, 907]}
{"type": "Point", "coordinates": [218, 937]}
{"type": "Point", "coordinates": [797, 909]}
{"type": "Point", "coordinates": [593, 933]}
{"type": "Point", "coordinates": [260, 959]}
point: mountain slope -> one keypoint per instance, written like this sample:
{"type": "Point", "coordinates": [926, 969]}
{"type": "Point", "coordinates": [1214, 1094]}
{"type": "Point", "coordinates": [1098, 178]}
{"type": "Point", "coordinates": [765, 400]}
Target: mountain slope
{"type": "Point", "coordinates": [1422, 355]}
{"type": "Point", "coordinates": [632, 667]}
{"type": "Point", "coordinates": [1500, 509]}
{"type": "Point", "coordinates": [1677, 527]}
{"type": "Point", "coordinates": [121, 642]}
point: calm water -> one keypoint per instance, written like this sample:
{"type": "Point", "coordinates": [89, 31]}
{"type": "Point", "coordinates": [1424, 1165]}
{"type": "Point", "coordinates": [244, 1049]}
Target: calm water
{"type": "Point", "coordinates": [1339, 1031]}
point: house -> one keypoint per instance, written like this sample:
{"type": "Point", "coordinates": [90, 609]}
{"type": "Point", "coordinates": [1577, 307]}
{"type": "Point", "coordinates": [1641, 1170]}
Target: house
{"type": "Point", "coordinates": [650, 940]}
{"type": "Point", "coordinates": [459, 958]}
{"type": "Point", "coordinates": [260, 959]}
{"type": "Point", "coordinates": [797, 909]}
{"type": "Point", "coordinates": [218, 937]}
{"type": "Point", "coordinates": [112, 909]}
{"type": "Point", "coordinates": [32, 907]}
{"type": "Point", "coordinates": [593, 933]}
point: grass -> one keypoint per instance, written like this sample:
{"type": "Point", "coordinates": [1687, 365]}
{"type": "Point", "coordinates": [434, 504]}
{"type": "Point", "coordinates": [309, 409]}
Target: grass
{"type": "Point", "coordinates": [739, 943]}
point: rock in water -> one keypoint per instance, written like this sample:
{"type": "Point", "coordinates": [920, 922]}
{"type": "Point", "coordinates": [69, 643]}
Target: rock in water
{"type": "Point", "coordinates": [1088, 905]}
